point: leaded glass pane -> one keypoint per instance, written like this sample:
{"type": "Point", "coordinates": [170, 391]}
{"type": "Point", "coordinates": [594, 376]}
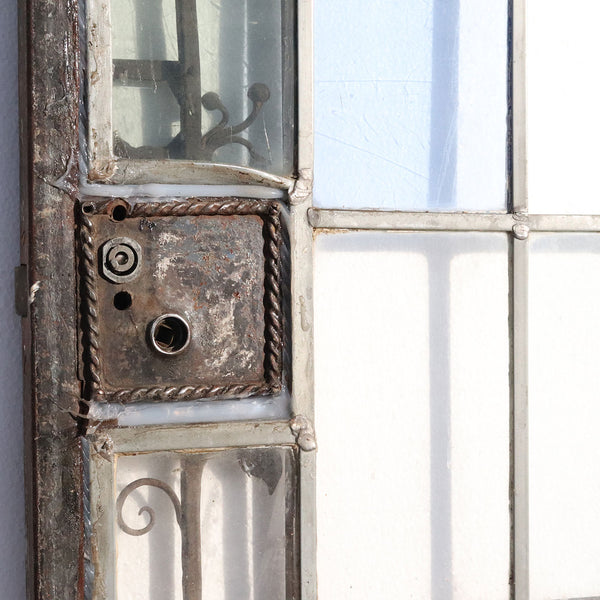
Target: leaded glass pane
{"type": "Point", "coordinates": [412, 415]}
{"type": "Point", "coordinates": [206, 80]}
{"type": "Point", "coordinates": [564, 416]}
{"type": "Point", "coordinates": [216, 525]}
{"type": "Point", "coordinates": [410, 105]}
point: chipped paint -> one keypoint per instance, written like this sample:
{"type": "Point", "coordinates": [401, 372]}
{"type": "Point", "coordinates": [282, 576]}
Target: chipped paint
{"type": "Point", "coordinates": [33, 290]}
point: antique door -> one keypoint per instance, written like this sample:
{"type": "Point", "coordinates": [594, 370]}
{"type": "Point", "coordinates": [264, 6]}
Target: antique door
{"type": "Point", "coordinates": [172, 223]}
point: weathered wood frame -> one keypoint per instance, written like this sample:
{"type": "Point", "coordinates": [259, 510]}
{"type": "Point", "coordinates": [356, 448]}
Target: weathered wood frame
{"type": "Point", "coordinates": [49, 93]}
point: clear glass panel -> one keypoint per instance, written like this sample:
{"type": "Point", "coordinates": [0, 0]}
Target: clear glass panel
{"type": "Point", "coordinates": [563, 120]}
{"type": "Point", "coordinates": [208, 80]}
{"type": "Point", "coordinates": [564, 378]}
{"type": "Point", "coordinates": [412, 400]}
{"type": "Point", "coordinates": [216, 525]}
{"type": "Point", "coordinates": [411, 104]}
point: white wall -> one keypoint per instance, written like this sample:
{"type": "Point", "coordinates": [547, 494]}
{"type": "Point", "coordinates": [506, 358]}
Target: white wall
{"type": "Point", "coordinates": [12, 518]}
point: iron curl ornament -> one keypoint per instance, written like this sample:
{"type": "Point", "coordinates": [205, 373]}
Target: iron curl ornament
{"type": "Point", "coordinates": [192, 144]}
{"type": "Point", "coordinates": [187, 513]}
{"type": "Point", "coordinates": [134, 485]}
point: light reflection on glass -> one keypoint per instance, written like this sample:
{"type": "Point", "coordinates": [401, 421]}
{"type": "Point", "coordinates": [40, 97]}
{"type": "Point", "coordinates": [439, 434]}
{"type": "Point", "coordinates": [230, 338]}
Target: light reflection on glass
{"type": "Point", "coordinates": [206, 80]}
{"type": "Point", "coordinates": [564, 415]}
{"type": "Point", "coordinates": [216, 525]}
{"type": "Point", "coordinates": [412, 415]}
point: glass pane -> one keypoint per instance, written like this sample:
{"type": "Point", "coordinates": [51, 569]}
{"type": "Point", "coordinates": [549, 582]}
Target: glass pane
{"type": "Point", "coordinates": [563, 120]}
{"type": "Point", "coordinates": [564, 461]}
{"type": "Point", "coordinates": [411, 104]}
{"type": "Point", "coordinates": [412, 400]}
{"type": "Point", "coordinates": [207, 80]}
{"type": "Point", "coordinates": [215, 525]}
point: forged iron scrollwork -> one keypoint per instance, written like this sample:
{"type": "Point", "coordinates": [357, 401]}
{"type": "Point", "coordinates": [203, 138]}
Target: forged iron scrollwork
{"type": "Point", "coordinates": [222, 134]}
{"type": "Point", "coordinates": [134, 485]}
{"type": "Point", "coordinates": [258, 463]}
{"type": "Point", "coordinates": [187, 513]}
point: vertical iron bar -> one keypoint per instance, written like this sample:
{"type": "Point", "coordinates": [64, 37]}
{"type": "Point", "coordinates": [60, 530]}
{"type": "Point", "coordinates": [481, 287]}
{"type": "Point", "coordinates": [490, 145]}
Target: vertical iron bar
{"type": "Point", "coordinates": [191, 548]}
{"type": "Point", "coordinates": [520, 433]}
{"type": "Point", "coordinates": [440, 420]}
{"type": "Point", "coordinates": [288, 61]}
{"type": "Point", "coordinates": [189, 60]}
{"type": "Point", "coordinates": [444, 105]}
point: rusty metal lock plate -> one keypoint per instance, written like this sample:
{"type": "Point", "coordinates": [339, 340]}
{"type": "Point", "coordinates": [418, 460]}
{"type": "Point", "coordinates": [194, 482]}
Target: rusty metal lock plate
{"type": "Point", "coordinates": [180, 300]}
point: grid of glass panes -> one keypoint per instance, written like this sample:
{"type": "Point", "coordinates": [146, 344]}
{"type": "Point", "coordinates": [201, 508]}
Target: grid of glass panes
{"type": "Point", "coordinates": [454, 353]}
{"type": "Point", "coordinates": [442, 472]}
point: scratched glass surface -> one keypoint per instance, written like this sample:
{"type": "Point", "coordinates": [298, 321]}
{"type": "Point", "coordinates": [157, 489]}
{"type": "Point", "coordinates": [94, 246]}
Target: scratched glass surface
{"type": "Point", "coordinates": [207, 80]}
{"type": "Point", "coordinates": [410, 104]}
{"type": "Point", "coordinates": [563, 93]}
{"type": "Point", "coordinates": [412, 415]}
{"type": "Point", "coordinates": [564, 416]}
{"type": "Point", "coordinates": [216, 525]}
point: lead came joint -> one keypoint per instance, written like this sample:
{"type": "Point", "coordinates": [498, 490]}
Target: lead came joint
{"type": "Point", "coordinates": [304, 431]}
{"type": "Point", "coordinates": [521, 227]}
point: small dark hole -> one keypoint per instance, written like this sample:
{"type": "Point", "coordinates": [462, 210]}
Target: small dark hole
{"type": "Point", "coordinates": [119, 212]}
{"type": "Point", "coordinates": [122, 300]}
{"type": "Point", "coordinates": [171, 335]}
{"type": "Point", "coordinates": [88, 209]}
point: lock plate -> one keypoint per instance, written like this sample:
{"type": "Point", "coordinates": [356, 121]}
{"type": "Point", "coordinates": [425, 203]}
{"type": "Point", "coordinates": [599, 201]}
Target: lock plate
{"type": "Point", "coordinates": [180, 300]}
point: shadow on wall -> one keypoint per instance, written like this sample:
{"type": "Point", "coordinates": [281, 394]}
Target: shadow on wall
{"type": "Point", "coordinates": [12, 517]}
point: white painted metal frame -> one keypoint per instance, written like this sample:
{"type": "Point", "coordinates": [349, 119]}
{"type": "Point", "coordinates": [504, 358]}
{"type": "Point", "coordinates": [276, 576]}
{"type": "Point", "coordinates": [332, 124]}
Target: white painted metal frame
{"type": "Point", "coordinates": [520, 281]}
{"type": "Point", "coordinates": [104, 166]}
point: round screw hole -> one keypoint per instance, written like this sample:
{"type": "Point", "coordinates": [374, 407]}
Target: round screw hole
{"type": "Point", "coordinates": [88, 209]}
{"type": "Point", "coordinates": [119, 212]}
{"type": "Point", "coordinates": [122, 300]}
{"type": "Point", "coordinates": [170, 334]}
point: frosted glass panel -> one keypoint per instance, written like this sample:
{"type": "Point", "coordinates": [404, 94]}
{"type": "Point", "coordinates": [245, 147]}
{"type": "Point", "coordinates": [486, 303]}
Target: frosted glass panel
{"type": "Point", "coordinates": [563, 98]}
{"type": "Point", "coordinates": [215, 525]}
{"type": "Point", "coordinates": [564, 339]}
{"type": "Point", "coordinates": [410, 104]}
{"type": "Point", "coordinates": [412, 409]}
{"type": "Point", "coordinates": [208, 80]}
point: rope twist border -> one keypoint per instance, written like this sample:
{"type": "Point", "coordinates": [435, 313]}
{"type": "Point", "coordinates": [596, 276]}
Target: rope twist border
{"type": "Point", "coordinates": [273, 363]}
